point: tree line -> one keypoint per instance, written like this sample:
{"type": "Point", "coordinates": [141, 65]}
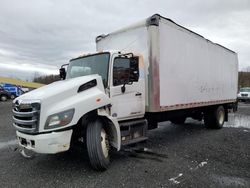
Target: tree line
{"type": "Point", "coordinates": [46, 79]}
{"type": "Point", "coordinates": [244, 79]}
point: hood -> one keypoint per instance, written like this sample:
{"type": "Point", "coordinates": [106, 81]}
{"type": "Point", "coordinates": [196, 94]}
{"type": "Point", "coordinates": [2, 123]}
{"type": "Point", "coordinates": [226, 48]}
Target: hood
{"type": "Point", "coordinates": [244, 92]}
{"type": "Point", "coordinates": [65, 87]}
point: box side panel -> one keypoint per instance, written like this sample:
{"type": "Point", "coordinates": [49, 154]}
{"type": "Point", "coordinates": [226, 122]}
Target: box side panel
{"type": "Point", "coordinates": [194, 70]}
{"type": "Point", "coordinates": [133, 40]}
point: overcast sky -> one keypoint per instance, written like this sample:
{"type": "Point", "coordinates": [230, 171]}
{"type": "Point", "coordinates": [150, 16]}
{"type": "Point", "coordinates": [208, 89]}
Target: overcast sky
{"type": "Point", "coordinates": [37, 36]}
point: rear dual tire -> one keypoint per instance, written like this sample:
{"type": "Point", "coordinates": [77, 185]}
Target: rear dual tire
{"type": "Point", "coordinates": [215, 118]}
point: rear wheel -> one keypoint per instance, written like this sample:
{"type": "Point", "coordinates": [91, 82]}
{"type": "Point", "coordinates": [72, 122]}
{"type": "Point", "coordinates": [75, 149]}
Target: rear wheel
{"type": "Point", "coordinates": [98, 145]}
{"type": "Point", "coordinates": [179, 120]}
{"type": "Point", "coordinates": [3, 98]}
{"type": "Point", "coordinates": [215, 118]}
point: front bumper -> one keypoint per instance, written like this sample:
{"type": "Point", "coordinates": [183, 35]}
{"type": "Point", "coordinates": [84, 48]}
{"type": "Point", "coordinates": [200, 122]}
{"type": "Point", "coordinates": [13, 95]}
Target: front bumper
{"type": "Point", "coordinates": [243, 98]}
{"type": "Point", "coordinates": [48, 143]}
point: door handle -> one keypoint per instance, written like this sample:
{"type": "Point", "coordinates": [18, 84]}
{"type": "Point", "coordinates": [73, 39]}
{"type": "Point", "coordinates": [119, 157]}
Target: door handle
{"type": "Point", "coordinates": [138, 94]}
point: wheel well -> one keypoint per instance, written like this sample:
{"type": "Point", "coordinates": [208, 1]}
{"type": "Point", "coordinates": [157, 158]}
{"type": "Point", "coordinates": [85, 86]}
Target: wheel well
{"type": "Point", "coordinates": [110, 129]}
{"type": "Point", "coordinates": [79, 130]}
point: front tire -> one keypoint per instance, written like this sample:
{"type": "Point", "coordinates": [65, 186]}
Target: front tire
{"type": "Point", "coordinates": [215, 118]}
{"type": "Point", "coordinates": [98, 145]}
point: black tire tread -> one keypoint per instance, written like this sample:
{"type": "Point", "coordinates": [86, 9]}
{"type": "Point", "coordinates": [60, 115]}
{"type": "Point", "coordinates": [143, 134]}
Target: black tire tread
{"type": "Point", "coordinates": [96, 157]}
{"type": "Point", "coordinates": [210, 118]}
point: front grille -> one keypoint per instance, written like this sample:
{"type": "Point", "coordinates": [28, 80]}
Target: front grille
{"type": "Point", "coordinates": [26, 116]}
{"type": "Point", "coordinates": [244, 95]}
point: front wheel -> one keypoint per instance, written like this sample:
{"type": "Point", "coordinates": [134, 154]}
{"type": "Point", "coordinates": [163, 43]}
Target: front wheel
{"type": "Point", "coordinates": [98, 145]}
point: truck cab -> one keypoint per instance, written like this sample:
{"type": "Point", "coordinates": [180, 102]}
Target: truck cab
{"type": "Point", "coordinates": [96, 92]}
{"type": "Point", "coordinates": [120, 79]}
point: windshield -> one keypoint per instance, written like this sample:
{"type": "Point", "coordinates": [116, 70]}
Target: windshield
{"type": "Point", "coordinates": [93, 64]}
{"type": "Point", "coordinates": [245, 90]}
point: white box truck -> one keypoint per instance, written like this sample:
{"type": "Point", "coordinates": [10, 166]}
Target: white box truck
{"type": "Point", "coordinates": [147, 73]}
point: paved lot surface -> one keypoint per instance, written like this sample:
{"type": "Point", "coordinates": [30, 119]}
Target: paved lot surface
{"type": "Point", "coordinates": [182, 156]}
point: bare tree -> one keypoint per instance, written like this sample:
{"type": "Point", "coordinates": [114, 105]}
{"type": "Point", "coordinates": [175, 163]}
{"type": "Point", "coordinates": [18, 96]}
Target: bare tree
{"type": "Point", "coordinates": [244, 79]}
{"type": "Point", "coordinates": [47, 79]}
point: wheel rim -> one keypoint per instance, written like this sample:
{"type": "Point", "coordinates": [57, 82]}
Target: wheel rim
{"type": "Point", "coordinates": [221, 117]}
{"type": "Point", "coordinates": [104, 143]}
{"type": "Point", "coordinates": [12, 96]}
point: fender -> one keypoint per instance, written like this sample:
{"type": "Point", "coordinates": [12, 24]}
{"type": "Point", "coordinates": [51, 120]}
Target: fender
{"type": "Point", "coordinates": [115, 128]}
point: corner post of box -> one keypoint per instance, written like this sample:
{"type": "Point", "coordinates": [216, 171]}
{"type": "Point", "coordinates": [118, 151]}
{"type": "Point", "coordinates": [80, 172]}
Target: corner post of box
{"type": "Point", "coordinates": [153, 20]}
{"type": "Point", "coordinates": [154, 58]}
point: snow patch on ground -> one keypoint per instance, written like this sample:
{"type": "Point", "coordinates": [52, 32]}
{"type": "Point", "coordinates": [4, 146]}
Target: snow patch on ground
{"type": "Point", "coordinates": [238, 120]}
{"type": "Point", "coordinates": [202, 164]}
{"type": "Point", "coordinates": [174, 179]}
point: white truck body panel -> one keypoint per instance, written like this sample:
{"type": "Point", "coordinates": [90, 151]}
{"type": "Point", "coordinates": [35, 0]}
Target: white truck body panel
{"type": "Point", "coordinates": [183, 69]}
{"type": "Point", "coordinates": [62, 95]}
{"type": "Point", "coordinates": [193, 69]}
{"type": "Point", "coordinates": [58, 97]}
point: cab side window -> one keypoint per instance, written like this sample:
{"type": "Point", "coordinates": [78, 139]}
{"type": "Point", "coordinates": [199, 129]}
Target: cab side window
{"type": "Point", "coordinates": [121, 71]}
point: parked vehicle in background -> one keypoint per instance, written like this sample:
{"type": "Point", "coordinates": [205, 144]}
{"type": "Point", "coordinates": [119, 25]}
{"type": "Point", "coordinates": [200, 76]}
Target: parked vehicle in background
{"type": "Point", "coordinates": [151, 72]}
{"type": "Point", "coordinates": [25, 89]}
{"type": "Point", "coordinates": [4, 95]}
{"type": "Point", "coordinates": [244, 94]}
{"type": "Point", "coordinates": [15, 91]}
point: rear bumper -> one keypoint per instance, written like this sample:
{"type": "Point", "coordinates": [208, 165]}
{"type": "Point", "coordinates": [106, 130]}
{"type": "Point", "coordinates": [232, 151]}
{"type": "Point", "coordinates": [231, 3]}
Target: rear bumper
{"type": "Point", "coordinates": [49, 143]}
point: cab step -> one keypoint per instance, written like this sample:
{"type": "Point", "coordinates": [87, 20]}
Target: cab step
{"type": "Point", "coordinates": [133, 131]}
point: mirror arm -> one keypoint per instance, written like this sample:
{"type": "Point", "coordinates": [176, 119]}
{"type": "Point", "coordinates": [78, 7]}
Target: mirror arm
{"type": "Point", "coordinates": [64, 65]}
{"type": "Point", "coordinates": [123, 88]}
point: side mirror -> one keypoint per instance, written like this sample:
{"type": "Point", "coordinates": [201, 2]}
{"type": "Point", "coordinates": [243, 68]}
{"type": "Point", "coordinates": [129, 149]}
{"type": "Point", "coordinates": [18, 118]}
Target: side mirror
{"type": "Point", "coordinates": [62, 73]}
{"type": "Point", "coordinates": [134, 69]}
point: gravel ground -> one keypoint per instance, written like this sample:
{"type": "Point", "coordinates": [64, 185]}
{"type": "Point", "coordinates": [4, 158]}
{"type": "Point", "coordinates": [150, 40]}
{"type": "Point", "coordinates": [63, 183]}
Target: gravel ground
{"type": "Point", "coordinates": [178, 156]}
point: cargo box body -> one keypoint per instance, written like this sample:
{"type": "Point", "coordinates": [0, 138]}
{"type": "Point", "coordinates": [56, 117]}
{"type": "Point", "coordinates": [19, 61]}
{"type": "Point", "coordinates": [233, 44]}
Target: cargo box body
{"type": "Point", "coordinates": [183, 69]}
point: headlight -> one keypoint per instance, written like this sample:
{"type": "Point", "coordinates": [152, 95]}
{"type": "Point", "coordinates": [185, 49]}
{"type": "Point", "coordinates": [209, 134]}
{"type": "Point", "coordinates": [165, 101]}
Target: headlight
{"type": "Point", "coordinates": [60, 119]}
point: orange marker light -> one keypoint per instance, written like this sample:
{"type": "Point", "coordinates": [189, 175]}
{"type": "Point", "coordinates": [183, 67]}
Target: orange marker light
{"type": "Point", "coordinates": [98, 100]}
